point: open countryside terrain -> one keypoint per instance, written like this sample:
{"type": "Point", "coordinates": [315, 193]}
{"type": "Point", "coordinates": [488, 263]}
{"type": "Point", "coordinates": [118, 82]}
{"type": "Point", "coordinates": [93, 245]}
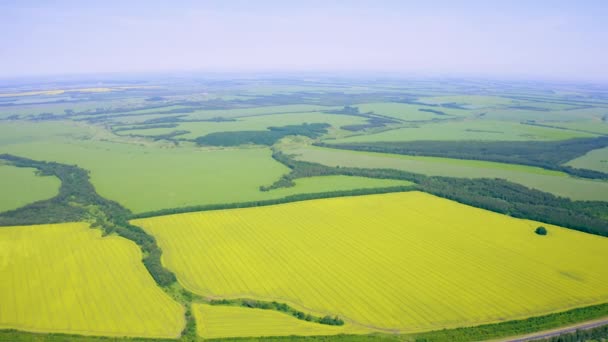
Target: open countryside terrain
{"type": "Point", "coordinates": [396, 262]}
{"type": "Point", "coordinates": [24, 187]}
{"type": "Point", "coordinates": [550, 181]}
{"type": "Point", "coordinates": [67, 278]}
{"type": "Point", "coordinates": [261, 177]}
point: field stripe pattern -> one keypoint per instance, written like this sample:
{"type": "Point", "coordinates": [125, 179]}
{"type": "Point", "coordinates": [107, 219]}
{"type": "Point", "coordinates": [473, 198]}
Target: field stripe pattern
{"type": "Point", "coordinates": [67, 278]}
{"type": "Point", "coordinates": [399, 262]}
{"type": "Point", "coordinates": [233, 321]}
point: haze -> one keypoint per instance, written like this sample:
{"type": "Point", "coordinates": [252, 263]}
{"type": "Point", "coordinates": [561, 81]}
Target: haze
{"type": "Point", "coordinates": [548, 39]}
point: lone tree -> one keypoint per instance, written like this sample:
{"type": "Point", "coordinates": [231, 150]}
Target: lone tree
{"type": "Point", "coordinates": [541, 230]}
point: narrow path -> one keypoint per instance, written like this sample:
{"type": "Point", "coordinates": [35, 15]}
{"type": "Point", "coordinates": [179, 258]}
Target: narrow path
{"type": "Point", "coordinates": [557, 331]}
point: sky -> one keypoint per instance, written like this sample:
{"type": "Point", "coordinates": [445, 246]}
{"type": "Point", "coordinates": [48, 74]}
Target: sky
{"type": "Point", "coordinates": [565, 40]}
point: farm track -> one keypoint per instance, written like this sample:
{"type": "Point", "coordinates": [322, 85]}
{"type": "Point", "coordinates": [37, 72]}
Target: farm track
{"type": "Point", "coordinates": [557, 332]}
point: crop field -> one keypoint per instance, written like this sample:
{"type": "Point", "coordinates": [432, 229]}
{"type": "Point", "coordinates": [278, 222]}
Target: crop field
{"type": "Point", "coordinates": [473, 101]}
{"type": "Point", "coordinates": [554, 182]}
{"type": "Point", "coordinates": [237, 112]}
{"type": "Point", "coordinates": [21, 186]}
{"type": "Point", "coordinates": [169, 177]}
{"type": "Point", "coordinates": [253, 123]}
{"type": "Point", "coordinates": [12, 133]}
{"type": "Point", "coordinates": [410, 112]}
{"type": "Point", "coordinates": [567, 118]}
{"type": "Point", "coordinates": [593, 160]}
{"type": "Point", "coordinates": [67, 278]}
{"type": "Point", "coordinates": [396, 262]}
{"type": "Point", "coordinates": [233, 321]}
{"type": "Point", "coordinates": [469, 130]}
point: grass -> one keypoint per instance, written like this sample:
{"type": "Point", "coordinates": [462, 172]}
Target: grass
{"type": "Point", "coordinates": [254, 123]}
{"type": "Point", "coordinates": [21, 186]}
{"type": "Point", "coordinates": [408, 112]}
{"type": "Point", "coordinates": [146, 178]}
{"type": "Point", "coordinates": [475, 101]}
{"type": "Point", "coordinates": [468, 130]}
{"type": "Point", "coordinates": [593, 160]}
{"type": "Point", "coordinates": [169, 176]}
{"type": "Point", "coordinates": [403, 262]}
{"type": "Point", "coordinates": [232, 321]}
{"type": "Point", "coordinates": [66, 278]}
{"type": "Point", "coordinates": [555, 182]}
{"type": "Point", "coordinates": [264, 110]}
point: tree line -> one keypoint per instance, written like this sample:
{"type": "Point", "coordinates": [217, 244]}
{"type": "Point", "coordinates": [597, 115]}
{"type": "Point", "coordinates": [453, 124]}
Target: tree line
{"type": "Point", "coordinates": [549, 155]}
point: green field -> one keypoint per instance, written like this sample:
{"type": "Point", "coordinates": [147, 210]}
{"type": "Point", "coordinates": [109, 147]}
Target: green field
{"type": "Point", "coordinates": [21, 186]}
{"type": "Point", "coordinates": [67, 278]}
{"type": "Point", "coordinates": [254, 123]}
{"type": "Point", "coordinates": [473, 101]}
{"type": "Point", "coordinates": [395, 262]}
{"type": "Point", "coordinates": [468, 130]}
{"type": "Point", "coordinates": [554, 182]}
{"type": "Point", "coordinates": [242, 112]}
{"type": "Point", "coordinates": [230, 321]}
{"type": "Point", "coordinates": [147, 178]}
{"type": "Point", "coordinates": [594, 160]}
{"type": "Point", "coordinates": [409, 112]}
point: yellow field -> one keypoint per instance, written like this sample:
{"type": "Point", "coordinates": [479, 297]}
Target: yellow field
{"type": "Point", "coordinates": [405, 261]}
{"type": "Point", "coordinates": [67, 278]}
{"type": "Point", "coordinates": [233, 321]}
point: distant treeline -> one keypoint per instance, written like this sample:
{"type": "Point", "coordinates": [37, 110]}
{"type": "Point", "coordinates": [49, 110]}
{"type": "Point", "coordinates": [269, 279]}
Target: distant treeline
{"type": "Point", "coordinates": [373, 120]}
{"type": "Point", "coordinates": [77, 201]}
{"type": "Point", "coordinates": [546, 154]}
{"type": "Point", "coordinates": [269, 137]}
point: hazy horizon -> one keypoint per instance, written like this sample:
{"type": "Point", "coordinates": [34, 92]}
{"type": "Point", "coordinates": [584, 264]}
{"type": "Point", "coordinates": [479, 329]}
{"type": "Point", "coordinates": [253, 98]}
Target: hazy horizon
{"type": "Point", "coordinates": [547, 40]}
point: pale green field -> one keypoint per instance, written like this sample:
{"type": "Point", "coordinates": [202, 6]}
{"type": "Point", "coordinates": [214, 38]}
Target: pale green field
{"type": "Point", "coordinates": [408, 112]}
{"type": "Point", "coordinates": [66, 278]}
{"type": "Point", "coordinates": [597, 126]}
{"type": "Point", "coordinates": [545, 180]}
{"type": "Point", "coordinates": [476, 101]}
{"type": "Point", "coordinates": [254, 123]}
{"type": "Point", "coordinates": [21, 186]}
{"type": "Point", "coordinates": [233, 321]}
{"type": "Point", "coordinates": [468, 130]}
{"type": "Point", "coordinates": [403, 262]}
{"type": "Point", "coordinates": [26, 132]}
{"type": "Point", "coordinates": [593, 160]}
{"type": "Point", "coordinates": [552, 117]}
{"type": "Point", "coordinates": [147, 178]}
{"type": "Point", "coordinates": [242, 112]}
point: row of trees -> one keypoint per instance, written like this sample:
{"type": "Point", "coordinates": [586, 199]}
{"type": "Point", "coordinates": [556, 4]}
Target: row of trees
{"type": "Point", "coordinates": [546, 154]}
{"type": "Point", "coordinates": [282, 307]}
{"type": "Point", "coordinates": [77, 200]}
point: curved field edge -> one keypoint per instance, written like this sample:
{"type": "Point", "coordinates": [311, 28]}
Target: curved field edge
{"type": "Point", "coordinates": [466, 334]}
{"type": "Point", "coordinates": [248, 236]}
{"type": "Point", "coordinates": [233, 321]}
{"type": "Point", "coordinates": [68, 278]}
{"type": "Point", "coordinates": [21, 186]}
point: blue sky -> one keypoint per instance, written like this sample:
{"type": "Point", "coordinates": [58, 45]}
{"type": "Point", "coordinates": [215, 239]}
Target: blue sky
{"type": "Point", "coordinates": [516, 39]}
